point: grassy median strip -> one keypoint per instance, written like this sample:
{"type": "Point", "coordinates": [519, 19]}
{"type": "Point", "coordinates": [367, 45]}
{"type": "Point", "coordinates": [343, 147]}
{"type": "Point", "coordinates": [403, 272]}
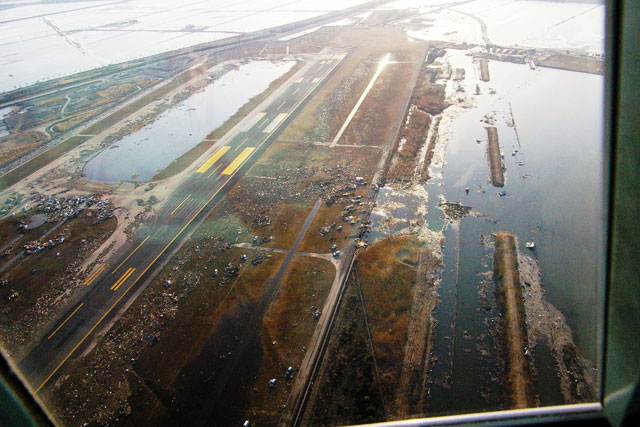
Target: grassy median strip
{"type": "Point", "coordinates": [512, 309]}
{"type": "Point", "coordinates": [27, 168]}
{"type": "Point", "coordinates": [495, 160]}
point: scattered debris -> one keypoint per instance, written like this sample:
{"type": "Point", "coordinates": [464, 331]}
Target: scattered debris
{"type": "Point", "coordinates": [259, 258]}
{"type": "Point", "coordinates": [13, 294]}
{"type": "Point", "coordinates": [455, 210]}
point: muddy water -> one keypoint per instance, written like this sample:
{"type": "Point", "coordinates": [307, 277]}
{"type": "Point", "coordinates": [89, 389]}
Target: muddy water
{"type": "Point", "coordinates": [553, 197]}
{"type": "Point", "coordinates": [467, 350]}
{"type": "Point", "coordinates": [553, 159]}
{"type": "Point", "coordinates": [140, 155]}
{"type": "Point", "coordinates": [553, 182]}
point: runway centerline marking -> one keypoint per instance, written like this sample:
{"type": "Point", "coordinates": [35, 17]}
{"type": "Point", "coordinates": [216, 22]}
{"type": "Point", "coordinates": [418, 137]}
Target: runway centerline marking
{"type": "Point", "coordinates": [214, 158]}
{"type": "Point", "coordinates": [95, 274]}
{"type": "Point", "coordinates": [275, 122]}
{"type": "Point", "coordinates": [129, 256]}
{"type": "Point", "coordinates": [106, 313]}
{"type": "Point", "coordinates": [180, 205]}
{"type": "Point", "coordinates": [281, 105]}
{"type": "Point", "coordinates": [65, 321]}
{"type": "Point", "coordinates": [122, 279]}
{"type": "Point", "coordinates": [263, 122]}
{"type": "Point", "coordinates": [241, 144]}
{"type": "Point", "coordinates": [214, 170]}
{"type": "Point", "coordinates": [238, 160]}
{"type": "Point", "coordinates": [251, 123]}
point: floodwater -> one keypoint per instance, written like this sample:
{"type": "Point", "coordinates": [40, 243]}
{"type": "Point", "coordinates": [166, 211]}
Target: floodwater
{"type": "Point", "coordinates": [553, 157]}
{"type": "Point", "coordinates": [3, 126]}
{"type": "Point", "coordinates": [140, 155]}
{"type": "Point", "coordinates": [554, 197]}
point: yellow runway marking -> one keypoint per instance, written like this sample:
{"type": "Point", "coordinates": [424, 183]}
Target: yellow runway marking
{"type": "Point", "coordinates": [238, 161]}
{"type": "Point", "coordinates": [214, 158]}
{"type": "Point", "coordinates": [65, 321]}
{"type": "Point", "coordinates": [299, 80]}
{"type": "Point", "coordinates": [180, 205]}
{"type": "Point", "coordinates": [106, 313]}
{"type": "Point", "coordinates": [241, 144]}
{"type": "Point", "coordinates": [122, 279]}
{"type": "Point", "coordinates": [214, 171]}
{"type": "Point", "coordinates": [129, 256]}
{"type": "Point", "coordinates": [95, 274]}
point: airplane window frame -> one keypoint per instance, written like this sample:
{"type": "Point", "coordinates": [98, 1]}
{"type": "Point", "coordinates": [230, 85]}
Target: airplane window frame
{"type": "Point", "coordinates": [18, 406]}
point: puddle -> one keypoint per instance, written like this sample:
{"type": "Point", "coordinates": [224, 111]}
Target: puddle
{"type": "Point", "coordinates": [4, 112]}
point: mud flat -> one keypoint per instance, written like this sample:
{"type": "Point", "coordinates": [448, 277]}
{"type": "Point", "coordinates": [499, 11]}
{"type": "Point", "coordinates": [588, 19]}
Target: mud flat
{"type": "Point", "coordinates": [512, 306]}
{"type": "Point", "coordinates": [547, 327]}
{"type": "Point", "coordinates": [412, 137]}
{"type": "Point", "coordinates": [497, 176]}
{"type": "Point", "coordinates": [484, 69]}
{"type": "Point", "coordinates": [412, 390]}
{"type": "Point", "coordinates": [430, 147]}
{"type": "Point", "coordinates": [580, 64]}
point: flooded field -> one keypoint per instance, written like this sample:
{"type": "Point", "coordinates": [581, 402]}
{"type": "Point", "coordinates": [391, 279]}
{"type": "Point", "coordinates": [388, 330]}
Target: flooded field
{"type": "Point", "coordinates": [41, 42]}
{"type": "Point", "coordinates": [553, 179]}
{"type": "Point", "coordinates": [139, 156]}
{"type": "Point", "coordinates": [549, 124]}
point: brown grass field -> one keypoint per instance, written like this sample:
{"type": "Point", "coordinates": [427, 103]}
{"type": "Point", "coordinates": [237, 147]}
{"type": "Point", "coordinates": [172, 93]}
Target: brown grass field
{"type": "Point", "coordinates": [387, 271]}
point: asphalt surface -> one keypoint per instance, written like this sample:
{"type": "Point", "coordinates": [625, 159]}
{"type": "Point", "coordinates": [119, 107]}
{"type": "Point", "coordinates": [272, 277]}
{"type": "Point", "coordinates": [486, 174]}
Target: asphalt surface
{"type": "Point", "coordinates": [113, 285]}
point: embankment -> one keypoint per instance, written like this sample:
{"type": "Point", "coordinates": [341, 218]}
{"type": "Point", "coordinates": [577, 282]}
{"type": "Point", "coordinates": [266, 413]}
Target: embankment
{"type": "Point", "coordinates": [511, 305]}
{"type": "Point", "coordinates": [484, 69]}
{"type": "Point", "coordinates": [432, 145]}
{"type": "Point", "coordinates": [497, 175]}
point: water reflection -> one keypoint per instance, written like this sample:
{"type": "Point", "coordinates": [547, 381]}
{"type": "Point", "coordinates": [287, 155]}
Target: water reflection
{"type": "Point", "coordinates": [140, 155]}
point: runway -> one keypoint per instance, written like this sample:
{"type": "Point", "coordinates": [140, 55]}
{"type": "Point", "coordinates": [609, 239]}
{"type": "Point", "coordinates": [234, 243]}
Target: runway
{"type": "Point", "coordinates": [112, 285]}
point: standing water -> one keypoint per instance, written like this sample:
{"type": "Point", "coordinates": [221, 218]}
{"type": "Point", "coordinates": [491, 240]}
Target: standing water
{"type": "Point", "coordinates": [140, 155]}
{"type": "Point", "coordinates": [549, 125]}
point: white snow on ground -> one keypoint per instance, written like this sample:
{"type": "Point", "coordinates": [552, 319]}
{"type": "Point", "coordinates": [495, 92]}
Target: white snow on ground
{"type": "Point", "coordinates": [98, 33]}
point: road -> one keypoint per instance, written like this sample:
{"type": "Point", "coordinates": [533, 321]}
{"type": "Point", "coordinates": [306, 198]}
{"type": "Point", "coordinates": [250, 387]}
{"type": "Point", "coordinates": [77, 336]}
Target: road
{"type": "Point", "coordinates": [112, 286]}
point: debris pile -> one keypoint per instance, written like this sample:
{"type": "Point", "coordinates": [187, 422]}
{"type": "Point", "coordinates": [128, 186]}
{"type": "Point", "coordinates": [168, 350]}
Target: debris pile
{"type": "Point", "coordinates": [261, 220]}
{"type": "Point", "coordinates": [337, 101]}
{"type": "Point", "coordinates": [36, 246]}
{"type": "Point", "coordinates": [259, 258]}
{"type": "Point", "coordinates": [455, 210]}
{"type": "Point", "coordinates": [64, 208]}
{"type": "Point", "coordinates": [16, 336]}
